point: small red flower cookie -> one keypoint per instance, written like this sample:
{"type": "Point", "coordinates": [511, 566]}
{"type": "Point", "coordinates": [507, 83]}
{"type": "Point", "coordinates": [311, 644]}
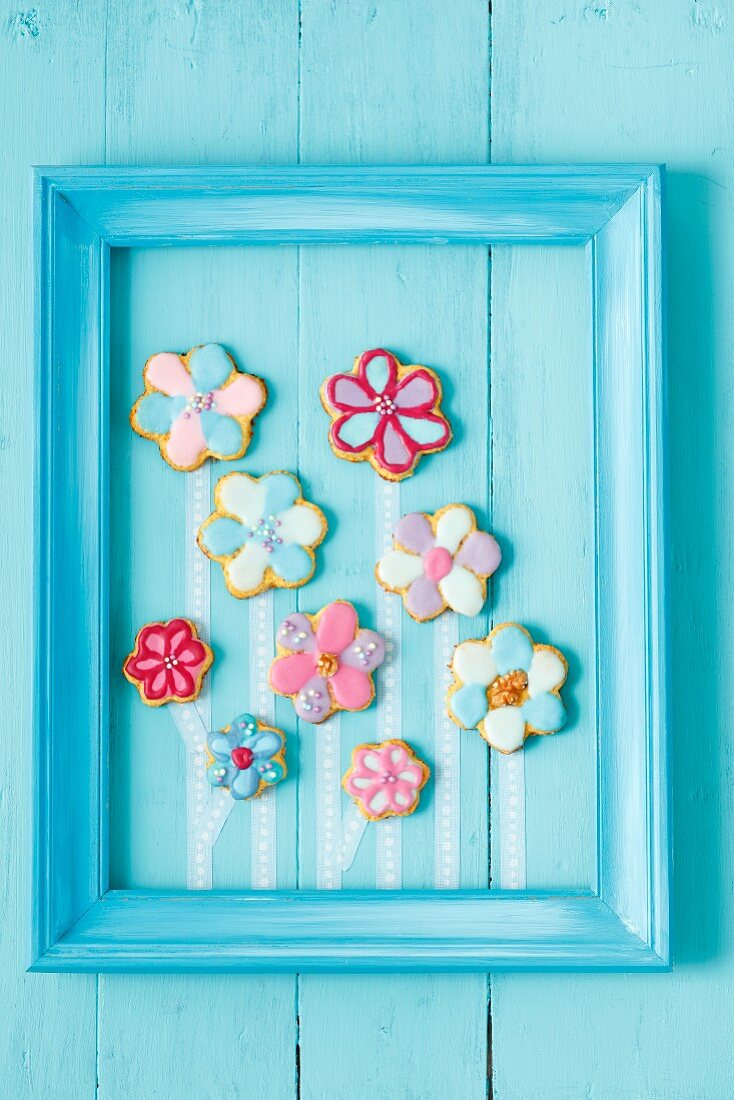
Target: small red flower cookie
{"type": "Point", "coordinates": [386, 413]}
{"type": "Point", "coordinates": [169, 663]}
{"type": "Point", "coordinates": [385, 780]}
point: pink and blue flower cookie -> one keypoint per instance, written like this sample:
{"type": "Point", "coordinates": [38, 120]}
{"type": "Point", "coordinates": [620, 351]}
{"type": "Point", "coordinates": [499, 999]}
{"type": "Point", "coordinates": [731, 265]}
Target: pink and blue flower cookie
{"type": "Point", "coordinates": [246, 757]}
{"type": "Point", "coordinates": [507, 687]}
{"type": "Point", "coordinates": [197, 406]}
{"type": "Point", "coordinates": [325, 662]}
{"type": "Point", "coordinates": [263, 533]}
{"type": "Point", "coordinates": [385, 413]}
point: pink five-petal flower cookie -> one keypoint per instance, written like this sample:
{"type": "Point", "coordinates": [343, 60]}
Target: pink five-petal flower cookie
{"type": "Point", "coordinates": [168, 663]}
{"type": "Point", "coordinates": [385, 780]}
{"type": "Point", "coordinates": [325, 662]}
{"type": "Point", "coordinates": [386, 413]}
{"type": "Point", "coordinates": [197, 406]}
{"type": "Point", "coordinates": [439, 561]}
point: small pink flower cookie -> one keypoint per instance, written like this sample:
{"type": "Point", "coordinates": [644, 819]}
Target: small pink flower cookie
{"type": "Point", "coordinates": [169, 663]}
{"type": "Point", "coordinates": [197, 406]}
{"type": "Point", "coordinates": [385, 780]}
{"type": "Point", "coordinates": [325, 662]}
{"type": "Point", "coordinates": [386, 413]}
{"type": "Point", "coordinates": [439, 561]}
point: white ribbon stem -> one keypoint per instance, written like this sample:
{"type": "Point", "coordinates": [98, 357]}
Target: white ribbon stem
{"type": "Point", "coordinates": [263, 825]}
{"type": "Point", "coordinates": [328, 805]}
{"type": "Point", "coordinates": [511, 781]}
{"type": "Point", "coordinates": [447, 788]}
{"type": "Point", "coordinates": [354, 827]}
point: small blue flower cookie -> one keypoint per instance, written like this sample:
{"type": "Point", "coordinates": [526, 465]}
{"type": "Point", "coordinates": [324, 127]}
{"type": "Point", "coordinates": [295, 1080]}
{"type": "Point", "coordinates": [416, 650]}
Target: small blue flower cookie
{"type": "Point", "coordinates": [246, 756]}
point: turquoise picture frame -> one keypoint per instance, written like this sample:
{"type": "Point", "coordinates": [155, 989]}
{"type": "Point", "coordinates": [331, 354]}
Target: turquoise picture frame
{"type": "Point", "coordinates": [78, 923]}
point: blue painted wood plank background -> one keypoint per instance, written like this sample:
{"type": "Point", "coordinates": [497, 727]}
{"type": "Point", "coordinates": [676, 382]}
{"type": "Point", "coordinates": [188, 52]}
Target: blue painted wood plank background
{"type": "Point", "coordinates": [205, 81]}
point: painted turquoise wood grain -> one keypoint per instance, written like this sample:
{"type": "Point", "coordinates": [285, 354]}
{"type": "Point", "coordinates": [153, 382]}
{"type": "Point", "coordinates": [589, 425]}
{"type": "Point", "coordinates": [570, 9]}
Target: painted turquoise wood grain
{"type": "Point", "coordinates": [647, 80]}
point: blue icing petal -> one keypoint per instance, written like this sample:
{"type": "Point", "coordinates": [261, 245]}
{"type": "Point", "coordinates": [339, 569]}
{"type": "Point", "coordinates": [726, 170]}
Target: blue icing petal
{"type": "Point", "coordinates": [511, 650]}
{"type": "Point", "coordinates": [422, 431]}
{"type": "Point", "coordinates": [223, 536]}
{"type": "Point", "coordinates": [545, 712]}
{"type": "Point", "coordinates": [291, 562]}
{"type": "Point", "coordinates": [210, 367]}
{"type": "Point", "coordinates": [266, 743]}
{"type": "Point", "coordinates": [273, 773]}
{"type": "Point", "coordinates": [245, 783]}
{"type": "Point", "coordinates": [281, 491]}
{"type": "Point", "coordinates": [223, 434]}
{"type": "Point", "coordinates": [243, 729]}
{"type": "Point", "coordinates": [221, 775]}
{"type": "Point", "coordinates": [156, 413]}
{"type": "Point", "coordinates": [358, 429]}
{"type": "Point", "coordinates": [378, 373]}
{"type": "Point", "coordinates": [469, 705]}
{"type": "Point", "coordinates": [220, 744]}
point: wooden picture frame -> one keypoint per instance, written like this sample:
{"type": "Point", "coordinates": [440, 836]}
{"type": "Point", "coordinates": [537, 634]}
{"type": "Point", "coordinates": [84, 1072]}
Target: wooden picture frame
{"type": "Point", "coordinates": [78, 924]}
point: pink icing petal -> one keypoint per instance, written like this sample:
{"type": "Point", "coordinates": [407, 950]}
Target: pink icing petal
{"type": "Point", "coordinates": [417, 391]}
{"type": "Point", "coordinates": [153, 640]}
{"type": "Point", "coordinates": [344, 391]}
{"type": "Point", "coordinates": [158, 682]}
{"type": "Point", "coordinates": [168, 374]}
{"type": "Point", "coordinates": [411, 774]}
{"type": "Point", "coordinates": [186, 442]}
{"type": "Point", "coordinates": [395, 451]}
{"type": "Point", "coordinates": [414, 532]}
{"type": "Point", "coordinates": [144, 664]}
{"type": "Point", "coordinates": [480, 553]}
{"type": "Point", "coordinates": [408, 792]}
{"type": "Point", "coordinates": [289, 674]}
{"type": "Point", "coordinates": [243, 396]}
{"type": "Point", "coordinates": [423, 598]}
{"type": "Point", "coordinates": [352, 689]}
{"type": "Point", "coordinates": [337, 627]}
{"type": "Point", "coordinates": [394, 757]}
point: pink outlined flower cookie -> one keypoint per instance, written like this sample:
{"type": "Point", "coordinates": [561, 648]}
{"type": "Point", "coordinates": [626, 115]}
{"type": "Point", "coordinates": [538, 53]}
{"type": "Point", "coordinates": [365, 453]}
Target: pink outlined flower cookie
{"type": "Point", "coordinates": [169, 663]}
{"type": "Point", "coordinates": [385, 780]}
{"type": "Point", "coordinates": [325, 662]}
{"type": "Point", "coordinates": [197, 406]}
{"type": "Point", "coordinates": [439, 561]}
{"type": "Point", "coordinates": [385, 413]}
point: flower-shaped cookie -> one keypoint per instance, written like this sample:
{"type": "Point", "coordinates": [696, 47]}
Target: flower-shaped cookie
{"type": "Point", "coordinates": [246, 756]}
{"type": "Point", "coordinates": [439, 561]}
{"type": "Point", "coordinates": [169, 663]}
{"type": "Point", "coordinates": [197, 406]}
{"type": "Point", "coordinates": [385, 412]}
{"type": "Point", "coordinates": [263, 533]}
{"type": "Point", "coordinates": [385, 780]}
{"type": "Point", "coordinates": [325, 662]}
{"type": "Point", "coordinates": [507, 687]}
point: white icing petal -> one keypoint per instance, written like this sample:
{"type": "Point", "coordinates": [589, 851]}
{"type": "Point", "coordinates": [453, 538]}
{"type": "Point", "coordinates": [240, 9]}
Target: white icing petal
{"type": "Point", "coordinates": [246, 569]}
{"type": "Point", "coordinates": [378, 802]}
{"type": "Point", "coordinates": [454, 525]}
{"type": "Point", "coordinates": [504, 728]}
{"type": "Point", "coordinates": [300, 524]}
{"type": "Point", "coordinates": [462, 591]}
{"type": "Point", "coordinates": [242, 496]}
{"type": "Point", "coordinates": [398, 569]}
{"type": "Point", "coordinates": [547, 672]}
{"type": "Point", "coordinates": [473, 663]}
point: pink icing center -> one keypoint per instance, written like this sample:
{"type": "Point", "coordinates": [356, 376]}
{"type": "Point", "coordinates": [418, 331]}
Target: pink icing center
{"type": "Point", "coordinates": [437, 563]}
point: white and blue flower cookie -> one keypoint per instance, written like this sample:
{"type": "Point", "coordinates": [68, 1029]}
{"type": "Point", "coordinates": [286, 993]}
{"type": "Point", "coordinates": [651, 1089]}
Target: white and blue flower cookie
{"type": "Point", "coordinates": [507, 687]}
{"type": "Point", "coordinates": [263, 533]}
{"type": "Point", "coordinates": [246, 756]}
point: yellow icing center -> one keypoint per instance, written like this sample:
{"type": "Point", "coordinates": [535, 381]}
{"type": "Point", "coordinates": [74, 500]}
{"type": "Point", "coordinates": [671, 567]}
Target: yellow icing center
{"type": "Point", "coordinates": [327, 664]}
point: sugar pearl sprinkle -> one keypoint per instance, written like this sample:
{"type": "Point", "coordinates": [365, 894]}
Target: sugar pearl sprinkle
{"type": "Point", "coordinates": [365, 654]}
{"type": "Point", "coordinates": [384, 405]}
{"type": "Point", "coordinates": [265, 531]}
{"type": "Point", "coordinates": [170, 662]}
{"type": "Point", "coordinates": [307, 702]}
{"type": "Point", "coordinates": [199, 403]}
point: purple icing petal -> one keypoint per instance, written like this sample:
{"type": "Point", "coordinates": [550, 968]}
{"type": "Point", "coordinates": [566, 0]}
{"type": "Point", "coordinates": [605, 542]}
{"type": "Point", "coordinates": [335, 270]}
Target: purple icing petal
{"type": "Point", "coordinates": [365, 653]}
{"type": "Point", "coordinates": [423, 598]}
{"type": "Point", "coordinates": [414, 533]}
{"type": "Point", "coordinates": [289, 632]}
{"type": "Point", "coordinates": [480, 553]}
{"type": "Point", "coordinates": [313, 702]}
